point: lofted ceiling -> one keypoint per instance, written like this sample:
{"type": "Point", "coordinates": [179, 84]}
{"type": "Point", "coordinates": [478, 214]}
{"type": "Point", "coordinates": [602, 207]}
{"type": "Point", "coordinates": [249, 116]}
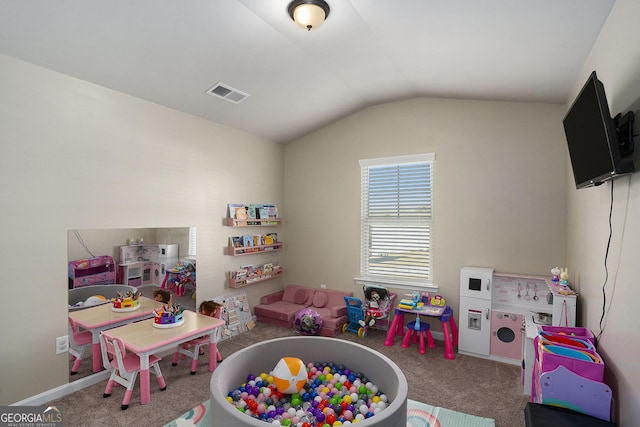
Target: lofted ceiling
{"type": "Point", "coordinates": [367, 52]}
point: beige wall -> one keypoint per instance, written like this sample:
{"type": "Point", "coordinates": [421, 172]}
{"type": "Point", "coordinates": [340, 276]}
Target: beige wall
{"type": "Point", "coordinates": [616, 58]}
{"type": "Point", "coordinates": [499, 176]}
{"type": "Point", "coordinates": [75, 155]}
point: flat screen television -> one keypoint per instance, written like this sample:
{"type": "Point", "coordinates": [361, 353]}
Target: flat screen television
{"type": "Point", "coordinates": [600, 146]}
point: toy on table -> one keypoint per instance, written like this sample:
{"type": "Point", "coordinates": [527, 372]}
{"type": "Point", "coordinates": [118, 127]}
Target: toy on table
{"type": "Point", "coordinates": [555, 272]}
{"type": "Point", "coordinates": [411, 301]}
{"type": "Point", "coordinates": [126, 300]}
{"type": "Point", "coordinates": [437, 301]}
{"type": "Point", "coordinates": [435, 305]}
{"type": "Point", "coordinates": [168, 314]}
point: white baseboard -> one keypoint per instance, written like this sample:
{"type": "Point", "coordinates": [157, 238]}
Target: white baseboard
{"type": "Point", "coordinates": [63, 390]}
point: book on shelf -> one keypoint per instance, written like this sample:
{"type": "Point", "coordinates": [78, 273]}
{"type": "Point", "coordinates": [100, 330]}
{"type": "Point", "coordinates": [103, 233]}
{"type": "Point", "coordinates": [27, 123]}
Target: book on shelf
{"type": "Point", "coordinates": [273, 238]}
{"type": "Point", "coordinates": [262, 213]}
{"type": "Point", "coordinates": [236, 242]}
{"type": "Point", "coordinates": [247, 243]}
{"type": "Point", "coordinates": [251, 213]}
{"type": "Point", "coordinates": [250, 273]}
{"type": "Point", "coordinates": [241, 215]}
{"type": "Point", "coordinates": [231, 209]}
{"type": "Point", "coordinates": [272, 213]}
{"type": "Point", "coordinates": [239, 274]}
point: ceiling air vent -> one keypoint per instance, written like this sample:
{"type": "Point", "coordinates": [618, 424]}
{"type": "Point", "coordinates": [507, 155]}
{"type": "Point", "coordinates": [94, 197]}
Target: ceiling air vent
{"type": "Point", "coordinates": [227, 92]}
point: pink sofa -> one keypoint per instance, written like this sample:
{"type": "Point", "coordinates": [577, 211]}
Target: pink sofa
{"type": "Point", "coordinates": [281, 307]}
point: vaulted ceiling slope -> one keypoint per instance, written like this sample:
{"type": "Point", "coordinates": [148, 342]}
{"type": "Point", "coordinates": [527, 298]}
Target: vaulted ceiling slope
{"type": "Point", "coordinates": [367, 52]}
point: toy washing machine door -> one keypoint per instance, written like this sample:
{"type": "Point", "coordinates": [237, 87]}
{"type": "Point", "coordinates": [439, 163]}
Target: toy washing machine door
{"type": "Point", "coordinates": [506, 335]}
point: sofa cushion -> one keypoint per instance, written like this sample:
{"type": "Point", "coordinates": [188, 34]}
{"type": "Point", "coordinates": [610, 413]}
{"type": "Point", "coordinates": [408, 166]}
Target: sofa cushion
{"type": "Point", "coordinates": [298, 294]}
{"type": "Point", "coordinates": [279, 310]}
{"type": "Point", "coordinates": [320, 299]}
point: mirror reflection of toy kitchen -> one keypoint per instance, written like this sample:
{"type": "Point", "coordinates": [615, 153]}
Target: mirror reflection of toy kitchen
{"type": "Point", "coordinates": [146, 264]}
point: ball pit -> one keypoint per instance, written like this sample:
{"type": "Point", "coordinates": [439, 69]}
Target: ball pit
{"type": "Point", "coordinates": [323, 355]}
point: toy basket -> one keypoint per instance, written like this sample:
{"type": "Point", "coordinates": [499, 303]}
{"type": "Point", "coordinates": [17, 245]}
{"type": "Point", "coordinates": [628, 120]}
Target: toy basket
{"type": "Point", "coordinates": [574, 332]}
{"type": "Point", "coordinates": [584, 362]}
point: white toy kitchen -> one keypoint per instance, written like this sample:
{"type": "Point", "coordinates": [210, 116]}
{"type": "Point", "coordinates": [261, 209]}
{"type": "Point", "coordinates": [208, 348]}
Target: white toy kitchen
{"type": "Point", "coordinates": [146, 264]}
{"type": "Point", "coordinates": [500, 312]}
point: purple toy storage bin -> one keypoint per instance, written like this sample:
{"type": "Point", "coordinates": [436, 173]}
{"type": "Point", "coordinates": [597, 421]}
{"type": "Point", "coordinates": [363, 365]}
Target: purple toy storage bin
{"type": "Point", "coordinates": [574, 332]}
{"type": "Point", "coordinates": [583, 362]}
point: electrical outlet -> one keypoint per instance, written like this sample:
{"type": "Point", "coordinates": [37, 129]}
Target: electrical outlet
{"type": "Point", "coordinates": [62, 344]}
{"type": "Point", "coordinates": [323, 286]}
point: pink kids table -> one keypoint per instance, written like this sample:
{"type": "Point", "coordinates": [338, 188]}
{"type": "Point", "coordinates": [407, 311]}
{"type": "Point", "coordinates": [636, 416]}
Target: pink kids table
{"type": "Point", "coordinates": [143, 339]}
{"type": "Point", "coordinates": [445, 315]}
{"type": "Point", "coordinates": [102, 317]}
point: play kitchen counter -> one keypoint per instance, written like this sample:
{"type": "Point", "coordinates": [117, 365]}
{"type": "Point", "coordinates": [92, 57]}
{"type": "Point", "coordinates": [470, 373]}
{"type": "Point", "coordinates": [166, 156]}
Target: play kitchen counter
{"type": "Point", "coordinates": [494, 308]}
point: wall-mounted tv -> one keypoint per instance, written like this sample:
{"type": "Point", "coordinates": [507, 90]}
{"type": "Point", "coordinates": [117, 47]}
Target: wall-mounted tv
{"type": "Point", "coordinates": [600, 147]}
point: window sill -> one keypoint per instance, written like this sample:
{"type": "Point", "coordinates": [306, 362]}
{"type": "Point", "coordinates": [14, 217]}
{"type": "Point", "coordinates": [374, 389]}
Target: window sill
{"type": "Point", "coordinates": [397, 284]}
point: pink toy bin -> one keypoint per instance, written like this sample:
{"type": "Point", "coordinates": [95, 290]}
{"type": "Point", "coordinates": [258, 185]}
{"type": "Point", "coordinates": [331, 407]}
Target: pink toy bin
{"type": "Point", "coordinates": [573, 332]}
{"type": "Point", "coordinates": [263, 357]}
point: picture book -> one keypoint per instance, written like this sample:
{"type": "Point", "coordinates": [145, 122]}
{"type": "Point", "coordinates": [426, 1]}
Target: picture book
{"type": "Point", "coordinates": [251, 213]}
{"type": "Point", "coordinates": [231, 209]}
{"type": "Point", "coordinates": [263, 214]}
{"type": "Point", "coordinates": [272, 213]}
{"type": "Point", "coordinates": [247, 242]}
{"type": "Point", "coordinates": [273, 237]}
{"type": "Point", "coordinates": [241, 216]}
{"type": "Point", "coordinates": [236, 242]}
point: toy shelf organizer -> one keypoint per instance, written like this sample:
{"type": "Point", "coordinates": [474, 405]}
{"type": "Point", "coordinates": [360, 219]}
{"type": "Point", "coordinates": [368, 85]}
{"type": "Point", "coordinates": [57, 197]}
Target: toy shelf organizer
{"type": "Point", "coordinates": [100, 270]}
{"type": "Point", "coordinates": [568, 372]}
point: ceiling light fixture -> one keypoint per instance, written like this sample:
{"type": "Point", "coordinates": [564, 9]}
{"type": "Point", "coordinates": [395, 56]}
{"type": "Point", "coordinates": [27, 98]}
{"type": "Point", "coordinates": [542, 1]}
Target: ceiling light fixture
{"type": "Point", "coordinates": [308, 14]}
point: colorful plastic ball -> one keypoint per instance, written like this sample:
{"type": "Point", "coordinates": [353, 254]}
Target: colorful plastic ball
{"type": "Point", "coordinates": [289, 375]}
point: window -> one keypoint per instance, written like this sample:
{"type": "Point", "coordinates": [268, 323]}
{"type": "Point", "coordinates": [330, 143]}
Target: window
{"type": "Point", "coordinates": [397, 223]}
{"type": "Point", "coordinates": [192, 241]}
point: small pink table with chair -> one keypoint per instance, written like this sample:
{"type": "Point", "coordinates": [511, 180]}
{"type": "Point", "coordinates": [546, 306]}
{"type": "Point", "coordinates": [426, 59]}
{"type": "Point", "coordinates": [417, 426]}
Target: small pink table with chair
{"type": "Point", "coordinates": [145, 340]}
{"type": "Point", "coordinates": [100, 318]}
{"type": "Point", "coordinates": [444, 314]}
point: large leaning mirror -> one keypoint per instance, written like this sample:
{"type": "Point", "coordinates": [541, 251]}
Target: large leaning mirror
{"type": "Point", "coordinates": [103, 262]}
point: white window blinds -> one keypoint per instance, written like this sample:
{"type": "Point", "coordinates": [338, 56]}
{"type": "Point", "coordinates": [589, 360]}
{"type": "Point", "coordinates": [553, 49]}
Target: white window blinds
{"type": "Point", "coordinates": [397, 226]}
{"type": "Point", "coordinates": [192, 241]}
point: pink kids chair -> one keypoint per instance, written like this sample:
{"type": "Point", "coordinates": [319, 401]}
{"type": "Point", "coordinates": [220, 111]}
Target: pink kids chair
{"type": "Point", "coordinates": [78, 342]}
{"type": "Point", "coordinates": [124, 367]}
{"type": "Point", "coordinates": [198, 344]}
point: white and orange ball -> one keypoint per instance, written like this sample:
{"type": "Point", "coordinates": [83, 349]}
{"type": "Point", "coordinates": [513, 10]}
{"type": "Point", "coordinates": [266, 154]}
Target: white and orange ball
{"type": "Point", "coordinates": [94, 300]}
{"type": "Point", "coordinates": [289, 375]}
